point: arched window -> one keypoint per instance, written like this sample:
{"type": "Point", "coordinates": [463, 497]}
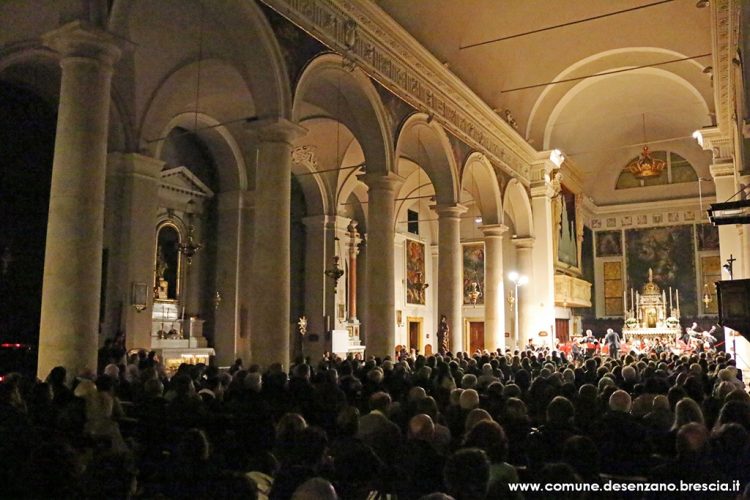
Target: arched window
{"type": "Point", "coordinates": [678, 170]}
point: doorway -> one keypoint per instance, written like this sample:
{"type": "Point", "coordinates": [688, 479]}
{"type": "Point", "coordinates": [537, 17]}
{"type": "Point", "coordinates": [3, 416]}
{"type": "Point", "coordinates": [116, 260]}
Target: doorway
{"type": "Point", "coordinates": [562, 328]}
{"type": "Point", "coordinates": [476, 336]}
{"type": "Point", "coordinates": [415, 333]}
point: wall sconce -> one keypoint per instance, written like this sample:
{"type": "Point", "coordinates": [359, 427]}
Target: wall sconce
{"type": "Point", "coordinates": [139, 296]}
{"type": "Point", "coordinates": [399, 317]}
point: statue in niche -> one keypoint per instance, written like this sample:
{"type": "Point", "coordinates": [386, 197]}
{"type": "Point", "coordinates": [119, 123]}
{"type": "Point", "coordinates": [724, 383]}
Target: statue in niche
{"type": "Point", "coordinates": [162, 285]}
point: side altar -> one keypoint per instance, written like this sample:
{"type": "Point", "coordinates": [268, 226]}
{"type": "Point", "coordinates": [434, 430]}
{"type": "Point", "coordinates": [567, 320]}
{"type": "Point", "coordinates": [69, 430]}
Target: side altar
{"type": "Point", "coordinates": [651, 314]}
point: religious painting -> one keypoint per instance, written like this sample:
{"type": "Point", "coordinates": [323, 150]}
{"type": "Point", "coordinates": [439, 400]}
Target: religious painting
{"type": "Point", "coordinates": [708, 237]}
{"type": "Point", "coordinates": [669, 252]}
{"type": "Point", "coordinates": [473, 256]}
{"type": "Point", "coordinates": [567, 229]}
{"type": "Point", "coordinates": [415, 272]}
{"type": "Point", "coordinates": [608, 243]}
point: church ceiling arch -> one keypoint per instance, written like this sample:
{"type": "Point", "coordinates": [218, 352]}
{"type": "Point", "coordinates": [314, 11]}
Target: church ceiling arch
{"type": "Point", "coordinates": [169, 35]}
{"type": "Point", "coordinates": [479, 180]}
{"type": "Point", "coordinates": [517, 206]}
{"type": "Point", "coordinates": [425, 143]}
{"type": "Point", "coordinates": [226, 154]}
{"type": "Point", "coordinates": [327, 88]}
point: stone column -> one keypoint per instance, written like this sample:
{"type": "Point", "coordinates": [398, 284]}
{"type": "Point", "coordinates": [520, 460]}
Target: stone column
{"type": "Point", "coordinates": [543, 284]}
{"type": "Point", "coordinates": [450, 283]}
{"type": "Point", "coordinates": [494, 295]}
{"type": "Point", "coordinates": [320, 231]}
{"type": "Point", "coordinates": [525, 298]}
{"type": "Point", "coordinates": [232, 218]}
{"type": "Point", "coordinates": [353, 246]}
{"type": "Point", "coordinates": [73, 258]}
{"type": "Point", "coordinates": [380, 274]}
{"type": "Point", "coordinates": [132, 210]}
{"type": "Point", "coordinates": [362, 295]}
{"type": "Point", "coordinates": [271, 323]}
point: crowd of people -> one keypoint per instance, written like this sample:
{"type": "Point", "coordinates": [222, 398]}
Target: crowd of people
{"type": "Point", "coordinates": [445, 426]}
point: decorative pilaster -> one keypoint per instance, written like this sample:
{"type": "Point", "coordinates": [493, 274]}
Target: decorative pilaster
{"type": "Point", "coordinates": [320, 231]}
{"type": "Point", "coordinates": [381, 314]}
{"type": "Point", "coordinates": [234, 212]}
{"type": "Point", "coordinates": [133, 203]}
{"type": "Point", "coordinates": [494, 295]}
{"type": "Point", "coordinates": [526, 299]}
{"type": "Point", "coordinates": [73, 256]}
{"type": "Point", "coordinates": [450, 284]}
{"type": "Point", "coordinates": [353, 245]}
{"type": "Point", "coordinates": [271, 244]}
{"type": "Point", "coordinates": [543, 284]}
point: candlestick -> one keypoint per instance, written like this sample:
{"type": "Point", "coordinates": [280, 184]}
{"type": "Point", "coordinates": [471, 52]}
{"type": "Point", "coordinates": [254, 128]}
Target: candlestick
{"type": "Point", "coordinates": [677, 296]}
{"type": "Point", "coordinates": [670, 300]}
{"type": "Point", "coordinates": [633, 305]}
{"type": "Point", "coordinates": [624, 302]}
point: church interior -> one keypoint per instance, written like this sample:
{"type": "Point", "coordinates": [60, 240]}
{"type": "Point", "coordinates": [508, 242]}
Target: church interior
{"type": "Point", "coordinates": [275, 178]}
{"type": "Point", "coordinates": [356, 249]}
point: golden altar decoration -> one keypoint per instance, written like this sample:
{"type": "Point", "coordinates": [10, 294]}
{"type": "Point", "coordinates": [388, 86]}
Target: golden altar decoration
{"type": "Point", "coordinates": [651, 315]}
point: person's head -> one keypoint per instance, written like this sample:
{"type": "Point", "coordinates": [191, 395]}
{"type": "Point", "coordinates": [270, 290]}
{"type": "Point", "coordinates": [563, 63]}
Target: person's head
{"type": "Point", "coordinates": [692, 440]}
{"type": "Point", "coordinates": [421, 428]}
{"type": "Point", "coordinates": [609, 330]}
{"type": "Point", "coordinates": [466, 474]}
{"type": "Point", "coordinates": [687, 411]}
{"type": "Point", "coordinates": [735, 412]}
{"type": "Point", "coordinates": [560, 411]}
{"type": "Point", "coordinates": [253, 382]}
{"type": "Point", "coordinates": [288, 425]}
{"type": "Point", "coordinates": [317, 488]}
{"type": "Point", "coordinates": [620, 401]}
{"type": "Point", "coordinates": [347, 421]}
{"type": "Point", "coordinates": [474, 417]}
{"type": "Point", "coordinates": [489, 436]}
{"type": "Point", "coordinates": [469, 399]}
{"type": "Point", "coordinates": [380, 401]}
{"type": "Point", "coordinates": [193, 447]}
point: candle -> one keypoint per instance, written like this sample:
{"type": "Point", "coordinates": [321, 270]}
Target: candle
{"type": "Point", "coordinates": [677, 296]}
{"type": "Point", "coordinates": [624, 301]}
{"type": "Point", "coordinates": [632, 299]}
{"type": "Point", "coordinates": [670, 300]}
{"type": "Point", "coordinates": [638, 312]}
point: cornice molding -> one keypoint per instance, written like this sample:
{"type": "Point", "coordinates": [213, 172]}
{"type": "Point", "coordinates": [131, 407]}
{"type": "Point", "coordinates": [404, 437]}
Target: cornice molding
{"type": "Point", "coordinates": [725, 24]}
{"type": "Point", "coordinates": [370, 39]}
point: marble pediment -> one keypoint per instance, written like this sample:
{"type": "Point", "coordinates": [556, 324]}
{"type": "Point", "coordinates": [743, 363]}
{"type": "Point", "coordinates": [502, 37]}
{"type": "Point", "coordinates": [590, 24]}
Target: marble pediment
{"type": "Point", "coordinates": [181, 180]}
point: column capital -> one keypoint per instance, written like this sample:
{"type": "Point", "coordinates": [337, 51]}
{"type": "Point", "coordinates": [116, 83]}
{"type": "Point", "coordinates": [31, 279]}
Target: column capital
{"type": "Point", "coordinates": [276, 130]}
{"type": "Point", "coordinates": [387, 182]}
{"type": "Point", "coordinates": [136, 164]}
{"type": "Point", "coordinates": [80, 39]}
{"type": "Point", "coordinates": [721, 170]}
{"type": "Point", "coordinates": [543, 189]}
{"type": "Point", "coordinates": [449, 210]}
{"type": "Point", "coordinates": [319, 221]}
{"type": "Point", "coordinates": [527, 242]}
{"type": "Point", "coordinates": [493, 230]}
{"type": "Point", "coordinates": [235, 200]}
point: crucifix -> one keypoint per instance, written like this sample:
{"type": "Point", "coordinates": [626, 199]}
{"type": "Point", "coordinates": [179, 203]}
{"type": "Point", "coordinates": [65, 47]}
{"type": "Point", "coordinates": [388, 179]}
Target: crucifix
{"type": "Point", "coordinates": [729, 265]}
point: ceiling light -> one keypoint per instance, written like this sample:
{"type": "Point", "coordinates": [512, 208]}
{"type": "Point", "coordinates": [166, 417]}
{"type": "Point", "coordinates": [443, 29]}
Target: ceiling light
{"type": "Point", "coordinates": [557, 157]}
{"type": "Point", "coordinates": [645, 167]}
{"type": "Point", "coordinates": [478, 219]}
{"type": "Point", "coordinates": [698, 136]}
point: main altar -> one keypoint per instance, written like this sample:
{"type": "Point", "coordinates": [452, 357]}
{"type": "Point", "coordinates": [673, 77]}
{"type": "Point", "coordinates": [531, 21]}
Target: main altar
{"type": "Point", "coordinates": [652, 313]}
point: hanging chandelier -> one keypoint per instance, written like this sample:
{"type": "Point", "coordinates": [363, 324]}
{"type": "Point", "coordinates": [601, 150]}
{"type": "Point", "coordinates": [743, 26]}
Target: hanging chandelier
{"type": "Point", "coordinates": [646, 167]}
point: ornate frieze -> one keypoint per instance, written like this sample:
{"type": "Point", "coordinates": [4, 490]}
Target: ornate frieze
{"type": "Point", "coordinates": [365, 35]}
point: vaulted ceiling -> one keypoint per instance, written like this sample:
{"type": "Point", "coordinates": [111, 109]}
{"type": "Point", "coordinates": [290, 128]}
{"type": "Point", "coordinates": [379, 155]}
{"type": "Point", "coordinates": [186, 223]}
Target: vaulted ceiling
{"type": "Point", "coordinates": [596, 78]}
